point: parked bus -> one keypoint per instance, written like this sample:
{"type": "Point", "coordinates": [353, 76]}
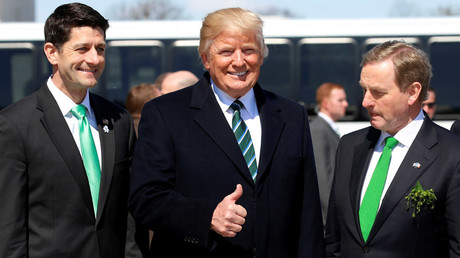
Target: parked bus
{"type": "Point", "coordinates": [303, 54]}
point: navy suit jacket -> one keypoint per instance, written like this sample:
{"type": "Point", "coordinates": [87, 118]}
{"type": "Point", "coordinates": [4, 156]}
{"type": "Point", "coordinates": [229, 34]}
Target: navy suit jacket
{"type": "Point", "coordinates": [45, 200]}
{"type": "Point", "coordinates": [187, 160]}
{"type": "Point", "coordinates": [433, 233]}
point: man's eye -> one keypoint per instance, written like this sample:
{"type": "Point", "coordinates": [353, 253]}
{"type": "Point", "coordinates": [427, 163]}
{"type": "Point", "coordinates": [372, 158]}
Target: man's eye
{"type": "Point", "coordinates": [226, 52]}
{"type": "Point", "coordinates": [249, 51]}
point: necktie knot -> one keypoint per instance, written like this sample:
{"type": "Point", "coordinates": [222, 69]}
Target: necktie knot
{"type": "Point", "coordinates": [79, 111]}
{"type": "Point", "coordinates": [236, 105]}
{"type": "Point", "coordinates": [390, 142]}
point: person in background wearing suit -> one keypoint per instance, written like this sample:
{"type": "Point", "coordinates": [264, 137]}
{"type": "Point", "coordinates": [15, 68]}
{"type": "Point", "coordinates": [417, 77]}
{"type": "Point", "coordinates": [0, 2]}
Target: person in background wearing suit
{"type": "Point", "coordinates": [177, 80]}
{"type": "Point", "coordinates": [192, 184]}
{"type": "Point", "coordinates": [396, 188]}
{"type": "Point", "coordinates": [64, 167]}
{"type": "Point", "coordinates": [429, 105]}
{"type": "Point", "coordinates": [332, 103]}
{"type": "Point", "coordinates": [456, 127]}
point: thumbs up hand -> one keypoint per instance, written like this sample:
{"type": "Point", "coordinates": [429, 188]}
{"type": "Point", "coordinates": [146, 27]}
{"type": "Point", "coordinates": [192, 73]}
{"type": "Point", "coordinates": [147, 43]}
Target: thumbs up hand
{"type": "Point", "coordinates": [229, 217]}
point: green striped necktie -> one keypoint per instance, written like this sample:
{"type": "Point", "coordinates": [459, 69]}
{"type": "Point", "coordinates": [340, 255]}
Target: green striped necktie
{"type": "Point", "coordinates": [243, 137]}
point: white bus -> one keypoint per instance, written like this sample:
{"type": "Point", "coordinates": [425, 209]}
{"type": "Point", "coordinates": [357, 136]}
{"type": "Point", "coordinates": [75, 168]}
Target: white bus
{"type": "Point", "coordinates": [303, 54]}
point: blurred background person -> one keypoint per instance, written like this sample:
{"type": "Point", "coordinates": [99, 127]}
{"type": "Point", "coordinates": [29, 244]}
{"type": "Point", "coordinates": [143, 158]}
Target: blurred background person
{"type": "Point", "coordinates": [429, 105]}
{"type": "Point", "coordinates": [137, 96]}
{"type": "Point", "coordinates": [136, 238]}
{"type": "Point", "coordinates": [332, 103]}
{"type": "Point", "coordinates": [177, 80]}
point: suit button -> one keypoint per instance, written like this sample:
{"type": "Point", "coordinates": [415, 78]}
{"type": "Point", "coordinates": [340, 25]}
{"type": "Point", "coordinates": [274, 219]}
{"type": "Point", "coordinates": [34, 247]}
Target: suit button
{"type": "Point", "coordinates": [366, 249]}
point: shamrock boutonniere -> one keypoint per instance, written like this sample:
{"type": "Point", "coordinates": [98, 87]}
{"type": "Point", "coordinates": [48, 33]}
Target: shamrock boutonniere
{"type": "Point", "coordinates": [420, 199]}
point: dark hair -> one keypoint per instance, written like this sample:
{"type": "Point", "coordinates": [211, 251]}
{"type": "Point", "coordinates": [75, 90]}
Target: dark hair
{"type": "Point", "coordinates": [68, 16]}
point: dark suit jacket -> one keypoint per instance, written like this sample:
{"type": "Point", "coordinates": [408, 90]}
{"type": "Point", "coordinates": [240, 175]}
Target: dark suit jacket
{"type": "Point", "coordinates": [45, 200]}
{"type": "Point", "coordinates": [187, 160]}
{"type": "Point", "coordinates": [456, 127]}
{"type": "Point", "coordinates": [325, 141]}
{"type": "Point", "coordinates": [434, 233]}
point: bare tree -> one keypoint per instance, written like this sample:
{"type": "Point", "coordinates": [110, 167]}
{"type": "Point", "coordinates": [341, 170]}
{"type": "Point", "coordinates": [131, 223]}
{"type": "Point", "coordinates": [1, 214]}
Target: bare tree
{"type": "Point", "coordinates": [148, 10]}
{"type": "Point", "coordinates": [447, 11]}
{"type": "Point", "coordinates": [275, 11]}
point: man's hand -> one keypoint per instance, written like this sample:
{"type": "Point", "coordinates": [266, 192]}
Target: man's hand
{"type": "Point", "coordinates": [228, 217]}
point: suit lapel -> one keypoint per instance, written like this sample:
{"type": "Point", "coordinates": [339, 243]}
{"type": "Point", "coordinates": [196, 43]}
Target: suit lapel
{"type": "Point", "coordinates": [107, 137]}
{"type": "Point", "coordinates": [59, 132]}
{"type": "Point", "coordinates": [407, 175]}
{"type": "Point", "coordinates": [361, 158]}
{"type": "Point", "coordinates": [211, 120]}
{"type": "Point", "coordinates": [272, 125]}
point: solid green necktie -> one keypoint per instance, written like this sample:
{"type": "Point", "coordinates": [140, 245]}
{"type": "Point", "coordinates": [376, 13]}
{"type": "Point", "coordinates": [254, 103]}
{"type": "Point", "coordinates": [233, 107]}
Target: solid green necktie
{"type": "Point", "coordinates": [89, 154]}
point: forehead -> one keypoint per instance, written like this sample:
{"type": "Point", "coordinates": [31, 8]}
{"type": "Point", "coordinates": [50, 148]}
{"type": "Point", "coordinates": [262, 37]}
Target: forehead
{"type": "Point", "coordinates": [232, 37]}
{"type": "Point", "coordinates": [86, 32]}
{"type": "Point", "coordinates": [377, 73]}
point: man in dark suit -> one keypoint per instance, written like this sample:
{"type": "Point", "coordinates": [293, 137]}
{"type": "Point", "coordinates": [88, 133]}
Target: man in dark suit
{"type": "Point", "coordinates": [455, 127]}
{"type": "Point", "coordinates": [332, 104]}
{"type": "Point", "coordinates": [413, 209]}
{"type": "Point", "coordinates": [53, 202]}
{"type": "Point", "coordinates": [191, 183]}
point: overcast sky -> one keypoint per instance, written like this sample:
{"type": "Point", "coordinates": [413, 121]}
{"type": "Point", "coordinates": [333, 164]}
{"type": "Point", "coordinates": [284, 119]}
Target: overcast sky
{"type": "Point", "coordinates": [310, 9]}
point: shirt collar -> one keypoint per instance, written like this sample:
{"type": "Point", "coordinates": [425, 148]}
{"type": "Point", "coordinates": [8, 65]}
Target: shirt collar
{"type": "Point", "coordinates": [405, 136]}
{"type": "Point", "coordinates": [64, 102]}
{"type": "Point", "coordinates": [225, 100]}
{"type": "Point", "coordinates": [331, 122]}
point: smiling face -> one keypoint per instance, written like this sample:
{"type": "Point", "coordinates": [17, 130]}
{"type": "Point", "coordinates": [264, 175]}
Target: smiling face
{"type": "Point", "coordinates": [79, 62]}
{"type": "Point", "coordinates": [389, 108]}
{"type": "Point", "coordinates": [233, 61]}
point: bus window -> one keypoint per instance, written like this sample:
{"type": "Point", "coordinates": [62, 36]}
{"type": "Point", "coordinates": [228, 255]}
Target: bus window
{"type": "Point", "coordinates": [184, 56]}
{"type": "Point", "coordinates": [129, 63]}
{"type": "Point", "coordinates": [372, 42]}
{"type": "Point", "coordinates": [444, 53]}
{"type": "Point", "coordinates": [276, 73]}
{"type": "Point", "coordinates": [17, 66]}
{"type": "Point", "coordinates": [329, 60]}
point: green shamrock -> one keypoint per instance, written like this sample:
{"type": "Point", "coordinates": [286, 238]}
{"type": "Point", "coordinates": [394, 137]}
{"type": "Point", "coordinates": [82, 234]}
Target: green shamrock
{"type": "Point", "coordinates": [420, 199]}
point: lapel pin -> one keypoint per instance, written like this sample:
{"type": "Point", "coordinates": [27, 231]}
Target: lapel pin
{"type": "Point", "coordinates": [105, 121]}
{"type": "Point", "coordinates": [416, 165]}
{"type": "Point", "coordinates": [106, 129]}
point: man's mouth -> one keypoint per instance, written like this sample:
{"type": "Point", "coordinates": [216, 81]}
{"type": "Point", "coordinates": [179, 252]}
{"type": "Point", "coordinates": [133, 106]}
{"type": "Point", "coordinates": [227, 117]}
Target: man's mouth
{"type": "Point", "coordinates": [239, 74]}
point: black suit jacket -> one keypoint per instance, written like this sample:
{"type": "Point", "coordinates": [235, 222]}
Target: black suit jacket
{"type": "Point", "coordinates": [45, 200]}
{"type": "Point", "coordinates": [456, 127]}
{"type": "Point", "coordinates": [434, 233]}
{"type": "Point", "coordinates": [187, 160]}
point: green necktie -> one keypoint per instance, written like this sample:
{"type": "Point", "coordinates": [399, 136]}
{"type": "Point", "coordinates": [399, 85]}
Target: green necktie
{"type": "Point", "coordinates": [371, 201]}
{"type": "Point", "coordinates": [89, 153]}
{"type": "Point", "coordinates": [243, 137]}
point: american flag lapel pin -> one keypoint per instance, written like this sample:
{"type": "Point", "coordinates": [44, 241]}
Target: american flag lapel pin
{"type": "Point", "coordinates": [416, 165]}
{"type": "Point", "coordinates": [105, 127]}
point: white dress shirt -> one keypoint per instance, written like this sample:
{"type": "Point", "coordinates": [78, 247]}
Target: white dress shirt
{"type": "Point", "coordinates": [331, 122]}
{"type": "Point", "coordinates": [65, 105]}
{"type": "Point", "coordinates": [249, 114]}
{"type": "Point", "coordinates": [405, 137]}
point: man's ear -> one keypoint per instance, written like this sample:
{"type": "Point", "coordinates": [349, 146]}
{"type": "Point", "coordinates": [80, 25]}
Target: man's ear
{"type": "Point", "coordinates": [204, 59]}
{"type": "Point", "coordinates": [414, 91]}
{"type": "Point", "coordinates": [51, 53]}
